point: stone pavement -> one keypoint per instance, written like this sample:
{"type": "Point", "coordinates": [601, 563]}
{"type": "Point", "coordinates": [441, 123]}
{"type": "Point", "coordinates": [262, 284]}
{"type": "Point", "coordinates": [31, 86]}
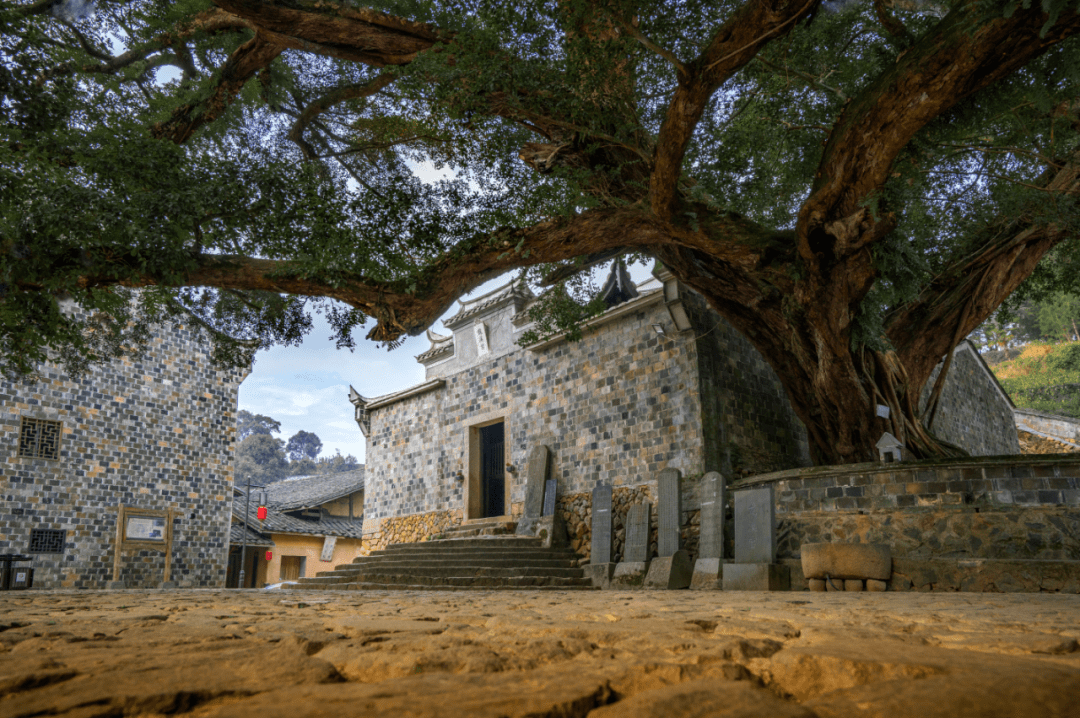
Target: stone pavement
{"type": "Point", "coordinates": [542, 654]}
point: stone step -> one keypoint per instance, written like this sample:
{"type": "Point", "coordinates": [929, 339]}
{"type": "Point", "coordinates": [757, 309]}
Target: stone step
{"type": "Point", "coordinates": [492, 562]}
{"type": "Point", "coordinates": [471, 554]}
{"type": "Point", "coordinates": [449, 581]}
{"type": "Point", "coordinates": [457, 570]}
{"type": "Point", "coordinates": [489, 528]}
{"type": "Point", "coordinates": [401, 587]}
{"type": "Point", "coordinates": [486, 542]}
{"type": "Point", "coordinates": [478, 561]}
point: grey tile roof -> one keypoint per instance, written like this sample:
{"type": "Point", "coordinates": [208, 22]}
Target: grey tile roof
{"type": "Point", "coordinates": [305, 492]}
{"type": "Point", "coordinates": [279, 522]}
{"type": "Point", "coordinates": [236, 537]}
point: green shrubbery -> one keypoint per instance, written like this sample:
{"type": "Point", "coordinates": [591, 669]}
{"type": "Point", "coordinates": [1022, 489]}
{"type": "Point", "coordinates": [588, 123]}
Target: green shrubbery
{"type": "Point", "coordinates": [1046, 377]}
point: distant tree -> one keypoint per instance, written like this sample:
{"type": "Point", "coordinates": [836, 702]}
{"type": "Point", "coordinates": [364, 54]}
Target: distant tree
{"type": "Point", "coordinates": [248, 424]}
{"type": "Point", "coordinates": [260, 457]}
{"type": "Point", "coordinates": [1058, 317]}
{"type": "Point", "coordinates": [303, 467]}
{"type": "Point", "coordinates": [337, 463]}
{"type": "Point", "coordinates": [303, 444]}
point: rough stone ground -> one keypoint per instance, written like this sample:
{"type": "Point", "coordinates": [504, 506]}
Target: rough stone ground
{"type": "Point", "coordinates": [538, 654]}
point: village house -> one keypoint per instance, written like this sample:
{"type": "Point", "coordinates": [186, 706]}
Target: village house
{"type": "Point", "coordinates": [122, 477]}
{"type": "Point", "coordinates": [657, 381]}
{"type": "Point", "coordinates": [312, 524]}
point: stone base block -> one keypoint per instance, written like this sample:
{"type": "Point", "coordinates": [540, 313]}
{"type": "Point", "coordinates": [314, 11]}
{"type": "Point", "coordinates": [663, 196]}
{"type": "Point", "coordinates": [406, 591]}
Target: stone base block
{"type": "Point", "coordinates": [630, 574]}
{"type": "Point", "coordinates": [853, 584]}
{"type": "Point", "coordinates": [872, 584]}
{"type": "Point", "coordinates": [169, 584]}
{"type": "Point", "coordinates": [846, 560]}
{"type": "Point", "coordinates": [115, 584]}
{"type": "Point", "coordinates": [816, 584]}
{"type": "Point", "coordinates": [708, 575]}
{"type": "Point", "coordinates": [670, 572]}
{"type": "Point", "coordinates": [600, 574]}
{"type": "Point", "coordinates": [756, 577]}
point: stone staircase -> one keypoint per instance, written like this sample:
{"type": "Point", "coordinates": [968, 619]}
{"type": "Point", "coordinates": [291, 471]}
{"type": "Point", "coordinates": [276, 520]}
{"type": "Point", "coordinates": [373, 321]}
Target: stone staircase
{"type": "Point", "coordinates": [474, 556]}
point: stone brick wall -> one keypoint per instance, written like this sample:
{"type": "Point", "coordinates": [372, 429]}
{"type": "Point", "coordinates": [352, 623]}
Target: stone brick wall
{"type": "Point", "coordinates": [153, 434]}
{"type": "Point", "coordinates": [617, 406]}
{"type": "Point", "coordinates": [974, 412]}
{"type": "Point", "coordinates": [756, 426]}
{"type": "Point", "coordinates": [989, 508]}
{"type": "Point", "coordinates": [1063, 428]}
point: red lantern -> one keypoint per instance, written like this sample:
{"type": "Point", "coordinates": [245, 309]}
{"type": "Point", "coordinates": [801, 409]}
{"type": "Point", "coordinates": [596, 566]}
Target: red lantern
{"type": "Point", "coordinates": [269, 555]}
{"type": "Point", "coordinates": [261, 513]}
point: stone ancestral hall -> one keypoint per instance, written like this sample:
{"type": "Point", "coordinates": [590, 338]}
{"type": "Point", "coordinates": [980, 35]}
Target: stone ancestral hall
{"type": "Point", "coordinates": [658, 381]}
{"type": "Point", "coordinates": [151, 439]}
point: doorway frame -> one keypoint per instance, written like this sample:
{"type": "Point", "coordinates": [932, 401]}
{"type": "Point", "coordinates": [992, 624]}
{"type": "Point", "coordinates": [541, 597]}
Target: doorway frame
{"type": "Point", "coordinates": [473, 503]}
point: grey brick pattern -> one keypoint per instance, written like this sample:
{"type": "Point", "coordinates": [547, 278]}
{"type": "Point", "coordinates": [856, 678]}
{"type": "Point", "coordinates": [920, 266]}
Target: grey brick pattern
{"type": "Point", "coordinates": [157, 433]}
{"type": "Point", "coordinates": [617, 406]}
{"type": "Point", "coordinates": [974, 411]}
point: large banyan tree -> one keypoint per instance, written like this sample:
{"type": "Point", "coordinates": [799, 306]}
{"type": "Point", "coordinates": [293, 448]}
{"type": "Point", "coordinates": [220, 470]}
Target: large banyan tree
{"type": "Point", "coordinates": [854, 184]}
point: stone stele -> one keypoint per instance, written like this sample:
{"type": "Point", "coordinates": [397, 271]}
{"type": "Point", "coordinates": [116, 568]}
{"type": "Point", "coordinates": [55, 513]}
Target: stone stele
{"type": "Point", "coordinates": [713, 499]}
{"type": "Point", "coordinates": [756, 577]}
{"type": "Point", "coordinates": [536, 471]}
{"type": "Point", "coordinates": [630, 574]}
{"type": "Point", "coordinates": [602, 539]}
{"type": "Point", "coordinates": [637, 533]}
{"type": "Point", "coordinates": [755, 526]}
{"type": "Point", "coordinates": [847, 560]}
{"type": "Point", "coordinates": [670, 572]}
{"type": "Point", "coordinates": [668, 512]}
{"type": "Point", "coordinates": [708, 574]}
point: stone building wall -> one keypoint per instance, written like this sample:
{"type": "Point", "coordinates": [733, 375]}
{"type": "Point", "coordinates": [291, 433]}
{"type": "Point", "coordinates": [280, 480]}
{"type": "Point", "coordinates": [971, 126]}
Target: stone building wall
{"type": "Point", "coordinates": [616, 406]}
{"type": "Point", "coordinates": [155, 434]}
{"type": "Point", "coordinates": [758, 429]}
{"type": "Point", "coordinates": [974, 411]}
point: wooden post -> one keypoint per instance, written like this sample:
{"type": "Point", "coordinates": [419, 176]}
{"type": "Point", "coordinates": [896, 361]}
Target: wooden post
{"type": "Point", "coordinates": [168, 544]}
{"type": "Point", "coordinates": [119, 540]}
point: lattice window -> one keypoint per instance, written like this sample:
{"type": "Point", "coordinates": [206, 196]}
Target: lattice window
{"type": "Point", "coordinates": [47, 541]}
{"type": "Point", "coordinates": [39, 438]}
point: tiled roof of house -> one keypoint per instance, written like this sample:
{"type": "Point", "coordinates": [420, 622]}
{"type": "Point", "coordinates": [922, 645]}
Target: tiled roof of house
{"type": "Point", "coordinates": [513, 291]}
{"type": "Point", "coordinates": [305, 492]}
{"type": "Point", "coordinates": [254, 538]}
{"type": "Point", "coordinates": [282, 523]}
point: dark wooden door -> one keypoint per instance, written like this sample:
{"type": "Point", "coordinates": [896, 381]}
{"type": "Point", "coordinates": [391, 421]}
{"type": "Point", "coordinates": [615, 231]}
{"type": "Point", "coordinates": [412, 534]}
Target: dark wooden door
{"type": "Point", "coordinates": [290, 568]}
{"type": "Point", "coordinates": [492, 469]}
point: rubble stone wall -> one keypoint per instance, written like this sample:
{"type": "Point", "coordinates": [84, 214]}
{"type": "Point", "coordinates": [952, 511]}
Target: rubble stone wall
{"type": "Point", "coordinates": [156, 433]}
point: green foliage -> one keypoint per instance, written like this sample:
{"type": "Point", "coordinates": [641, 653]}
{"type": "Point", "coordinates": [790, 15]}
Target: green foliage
{"type": "Point", "coordinates": [248, 424]}
{"type": "Point", "coordinates": [86, 191]}
{"type": "Point", "coordinates": [1046, 380]}
{"type": "Point", "coordinates": [303, 444]}
{"type": "Point", "coordinates": [260, 459]}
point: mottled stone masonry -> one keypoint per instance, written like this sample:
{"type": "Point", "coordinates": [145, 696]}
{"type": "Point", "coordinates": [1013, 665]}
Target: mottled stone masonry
{"type": "Point", "coordinates": [156, 433]}
{"type": "Point", "coordinates": [973, 412]}
{"type": "Point", "coordinates": [617, 406]}
{"type": "Point", "coordinates": [981, 508]}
